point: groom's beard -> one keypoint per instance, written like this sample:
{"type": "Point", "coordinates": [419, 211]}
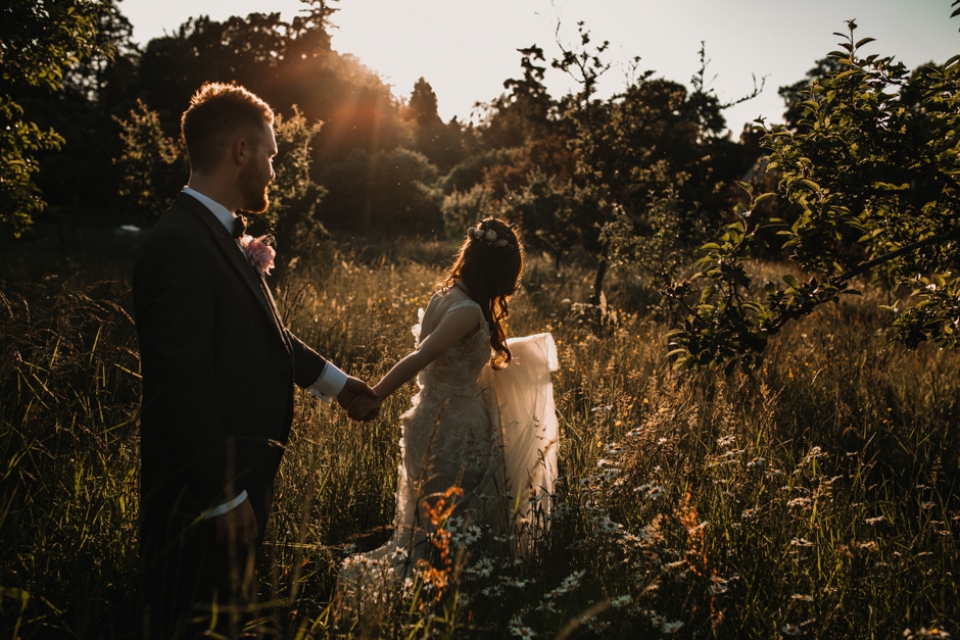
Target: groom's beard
{"type": "Point", "coordinates": [254, 190]}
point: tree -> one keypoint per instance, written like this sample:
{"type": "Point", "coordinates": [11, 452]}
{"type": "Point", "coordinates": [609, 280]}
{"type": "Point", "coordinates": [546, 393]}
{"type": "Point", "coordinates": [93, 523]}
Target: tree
{"type": "Point", "coordinates": [527, 112]}
{"type": "Point", "coordinates": [39, 41]}
{"type": "Point", "coordinates": [423, 104]}
{"type": "Point", "coordinates": [285, 63]}
{"type": "Point", "coordinates": [153, 166]}
{"type": "Point", "coordinates": [653, 160]}
{"type": "Point", "coordinates": [443, 144]}
{"type": "Point", "coordinates": [388, 193]}
{"type": "Point", "coordinates": [872, 166]}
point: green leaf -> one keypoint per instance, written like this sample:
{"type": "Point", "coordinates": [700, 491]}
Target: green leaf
{"type": "Point", "coordinates": [762, 197]}
{"type": "Point", "coordinates": [791, 280]}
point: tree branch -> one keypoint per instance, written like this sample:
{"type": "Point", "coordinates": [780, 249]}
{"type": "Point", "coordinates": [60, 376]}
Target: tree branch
{"type": "Point", "coordinates": [863, 267]}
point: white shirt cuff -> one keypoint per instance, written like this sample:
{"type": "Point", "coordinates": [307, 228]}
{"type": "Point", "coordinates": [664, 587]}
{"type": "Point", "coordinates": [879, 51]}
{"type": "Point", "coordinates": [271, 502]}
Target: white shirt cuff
{"type": "Point", "coordinates": [330, 383]}
{"type": "Point", "coordinates": [229, 505]}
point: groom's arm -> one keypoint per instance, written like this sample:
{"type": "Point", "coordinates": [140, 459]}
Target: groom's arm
{"type": "Point", "coordinates": [324, 380]}
{"type": "Point", "coordinates": [312, 372]}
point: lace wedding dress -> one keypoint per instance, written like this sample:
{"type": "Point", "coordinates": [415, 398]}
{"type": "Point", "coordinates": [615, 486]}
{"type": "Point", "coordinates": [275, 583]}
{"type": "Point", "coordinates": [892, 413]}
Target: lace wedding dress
{"type": "Point", "coordinates": [491, 434]}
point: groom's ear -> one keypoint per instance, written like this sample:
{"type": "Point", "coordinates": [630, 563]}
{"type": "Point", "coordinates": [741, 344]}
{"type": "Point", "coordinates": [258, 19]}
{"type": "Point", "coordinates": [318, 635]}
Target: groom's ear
{"type": "Point", "coordinates": [240, 150]}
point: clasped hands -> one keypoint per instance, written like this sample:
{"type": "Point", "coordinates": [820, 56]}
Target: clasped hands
{"type": "Point", "coordinates": [359, 400]}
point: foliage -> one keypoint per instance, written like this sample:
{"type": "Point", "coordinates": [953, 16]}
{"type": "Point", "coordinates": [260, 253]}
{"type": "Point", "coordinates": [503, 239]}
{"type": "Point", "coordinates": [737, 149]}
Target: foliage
{"type": "Point", "coordinates": [285, 63]}
{"type": "Point", "coordinates": [20, 140]}
{"type": "Point", "coordinates": [389, 192]}
{"type": "Point", "coordinates": [657, 244]}
{"type": "Point", "coordinates": [873, 168]}
{"type": "Point", "coordinates": [443, 144]}
{"type": "Point", "coordinates": [462, 210]}
{"type": "Point", "coordinates": [39, 40]}
{"type": "Point", "coordinates": [472, 170]}
{"type": "Point", "coordinates": [526, 113]}
{"type": "Point", "coordinates": [556, 215]}
{"type": "Point", "coordinates": [294, 196]}
{"type": "Point", "coordinates": [794, 94]}
{"type": "Point", "coordinates": [153, 166]}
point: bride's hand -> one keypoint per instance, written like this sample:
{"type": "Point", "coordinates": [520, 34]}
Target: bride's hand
{"type": "Point", "coordinates": [354, 391]}
{"type": "Point", "coordinates": [364, 408]}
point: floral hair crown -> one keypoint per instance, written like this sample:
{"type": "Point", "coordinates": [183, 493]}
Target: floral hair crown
{"type": "Point", "coordinates": [486, 237]}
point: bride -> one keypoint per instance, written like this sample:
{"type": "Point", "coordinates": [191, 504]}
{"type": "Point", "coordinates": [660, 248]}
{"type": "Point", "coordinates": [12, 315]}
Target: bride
{"type": "Point", "coordinates": [482, 431]}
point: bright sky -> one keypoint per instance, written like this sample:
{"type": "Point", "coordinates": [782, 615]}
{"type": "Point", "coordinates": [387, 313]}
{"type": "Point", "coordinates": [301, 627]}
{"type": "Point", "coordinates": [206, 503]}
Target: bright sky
{"type": "Point", "coordinates": [466, 49]}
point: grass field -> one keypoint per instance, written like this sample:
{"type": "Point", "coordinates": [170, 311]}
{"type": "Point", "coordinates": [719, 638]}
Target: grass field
{"type": "Point", "coordinates": [816, 496]}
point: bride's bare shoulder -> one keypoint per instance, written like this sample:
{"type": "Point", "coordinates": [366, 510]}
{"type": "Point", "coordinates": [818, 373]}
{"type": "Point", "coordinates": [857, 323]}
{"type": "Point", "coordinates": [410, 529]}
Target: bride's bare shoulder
{"type": "Point", "coordinates": [437, 307]}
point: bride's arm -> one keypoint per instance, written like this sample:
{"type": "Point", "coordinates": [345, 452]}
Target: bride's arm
{"type": "Point", "coordinates": [454, 326]}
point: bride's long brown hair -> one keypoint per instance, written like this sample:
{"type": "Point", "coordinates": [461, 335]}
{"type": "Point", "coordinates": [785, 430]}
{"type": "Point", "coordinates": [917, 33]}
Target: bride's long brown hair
{"type": "Point", "coordinates": [489, 263]}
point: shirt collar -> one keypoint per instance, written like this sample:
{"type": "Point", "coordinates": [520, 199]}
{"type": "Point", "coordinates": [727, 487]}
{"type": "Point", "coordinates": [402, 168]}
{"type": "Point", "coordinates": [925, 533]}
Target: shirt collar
{"type": "Point", "coordinates": [223, 214]}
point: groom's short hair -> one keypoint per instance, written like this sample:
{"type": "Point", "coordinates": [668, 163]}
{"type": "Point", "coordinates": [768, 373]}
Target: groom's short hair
{"type": "Point", "coordinates": [218, 113]}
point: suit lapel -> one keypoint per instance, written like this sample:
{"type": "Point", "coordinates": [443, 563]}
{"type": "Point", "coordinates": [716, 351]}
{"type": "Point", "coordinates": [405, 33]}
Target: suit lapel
{"type": "Point", "coordinates": [238, 261]}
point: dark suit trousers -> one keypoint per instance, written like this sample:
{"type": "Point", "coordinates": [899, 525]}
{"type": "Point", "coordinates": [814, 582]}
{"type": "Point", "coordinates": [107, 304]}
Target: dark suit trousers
{"type": "Point", "coordinates": [187, 574]}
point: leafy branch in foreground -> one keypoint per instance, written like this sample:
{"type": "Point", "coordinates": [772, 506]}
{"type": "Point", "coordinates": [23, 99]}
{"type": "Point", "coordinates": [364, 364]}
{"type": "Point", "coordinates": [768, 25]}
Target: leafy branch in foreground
{"type": "Point", "coordinates": [39, 40]}
{"type": "Point", "coordinates": [872, 169]}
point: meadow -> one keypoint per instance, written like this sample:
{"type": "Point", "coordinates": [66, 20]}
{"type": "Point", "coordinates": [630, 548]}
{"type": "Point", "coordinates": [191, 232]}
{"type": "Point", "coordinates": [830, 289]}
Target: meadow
{"type": "Point", "coordinates": [814, 496]}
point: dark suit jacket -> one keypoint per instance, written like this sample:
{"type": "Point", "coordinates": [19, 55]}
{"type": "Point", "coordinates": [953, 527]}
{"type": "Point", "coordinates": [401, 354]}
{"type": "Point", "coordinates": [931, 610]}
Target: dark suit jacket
{"type": "Point", "coordinates": [218, 369]}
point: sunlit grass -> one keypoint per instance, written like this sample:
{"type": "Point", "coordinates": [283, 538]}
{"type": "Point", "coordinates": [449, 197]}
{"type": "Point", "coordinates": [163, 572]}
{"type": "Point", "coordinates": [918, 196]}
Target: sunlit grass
{"type": "Point", "coordinates": [814, 496]}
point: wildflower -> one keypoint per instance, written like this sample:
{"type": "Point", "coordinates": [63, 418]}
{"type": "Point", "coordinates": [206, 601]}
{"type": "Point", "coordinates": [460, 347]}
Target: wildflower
{"type": "Point", "coordinates": [609, 526]}
{"type": "Point", "coordinates": [748, 514]}
{"type": "Point", "coordinates": [655, 492]}
{"type": "Point", "coordinates": [877, 520]}
{"type": "Point", "coordinates": [925, 633]}
{"type": "Point", "coordinates": [493, 591]}
{"type": "Point", "coordinates": [800, 542]}
{"type": "Point", "coordinates": [483, 568]}
{"type": "Point", "coordinates": [719, 586]}
{"type": "Point", "coordinates": [926, 506]}
{"type": "Point", "coordinates": [790, 629]}
{"type": "Point", "coordinates": [516, 583]}
{"type": "Point", "coordinates": [547, 605]}
{"type": "Point", "coordinates": [632, 538]}
{"type": "Point", "coordinates": [522, 632]}
{"type": "Point", "coordinates": [801, 598]}
{"type": "Point", "coordinates": [620, 601]}
{"type": "Point", "coordinates": [799, 502]}
{"type": "Point", "coordinates": [671, 627]}
{"type": "Point", "coordinates": [756, 463]}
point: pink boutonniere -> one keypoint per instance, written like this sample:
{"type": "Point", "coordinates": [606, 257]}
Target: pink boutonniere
{"type": "Point", "coordinates": [259, 253]}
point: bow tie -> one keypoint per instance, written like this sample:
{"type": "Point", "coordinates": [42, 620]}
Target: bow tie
{"type": "Point", "coordinates": [239, 226]}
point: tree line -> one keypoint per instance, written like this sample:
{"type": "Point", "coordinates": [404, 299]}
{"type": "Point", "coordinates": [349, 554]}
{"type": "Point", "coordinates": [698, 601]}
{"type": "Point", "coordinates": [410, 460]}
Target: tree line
{"type": "Point", "coordinates": [859, 180]}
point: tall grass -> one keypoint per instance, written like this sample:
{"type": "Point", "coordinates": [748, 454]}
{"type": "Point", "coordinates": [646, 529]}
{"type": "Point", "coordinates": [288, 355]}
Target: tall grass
{"type": "Point", "coordinates": [815, 496]}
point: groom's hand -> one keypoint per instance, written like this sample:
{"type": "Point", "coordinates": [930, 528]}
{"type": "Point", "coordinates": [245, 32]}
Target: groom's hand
{"type": "Point", "coordinates": [240, 524]}
{"type": "Point", "coordinates": [353, 391]}
{"type": "Point", "coordinates": [363, 408]}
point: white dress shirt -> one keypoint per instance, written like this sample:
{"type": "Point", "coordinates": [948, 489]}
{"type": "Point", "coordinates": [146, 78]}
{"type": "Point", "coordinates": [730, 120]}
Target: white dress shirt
{"type": "Point", "coordinates": [327, 387]}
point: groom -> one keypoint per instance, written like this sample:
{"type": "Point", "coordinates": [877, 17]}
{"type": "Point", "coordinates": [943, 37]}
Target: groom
{"type": "Point", "coordinates": [219, 368]}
